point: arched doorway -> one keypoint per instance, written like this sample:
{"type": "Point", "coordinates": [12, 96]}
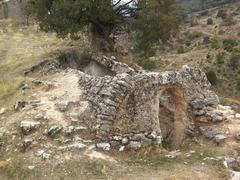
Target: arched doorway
{"type": "Point", "coordinates": [173, 116]}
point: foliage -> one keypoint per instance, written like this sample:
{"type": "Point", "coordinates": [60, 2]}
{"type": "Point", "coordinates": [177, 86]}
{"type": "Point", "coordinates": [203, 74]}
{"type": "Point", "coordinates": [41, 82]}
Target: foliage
{"type": "Point", "coordinates": [212, 77]}
{"type": "Point", "coordinates": [221, 14]}
{"type": "Point", "coordinates": [229, 21]}
{"type": "Point", "coordinates": [235, 60]}
{"type": "Point", "coordinates": [228, 44]}
{"type": "Point", "coordinates": [238, 84]}
{"type": "Point", "coordinates": [69, 16]}
{"type": "Point", "coordinates": [206, 40]}
{"type": "Point", "coordinates": [187, 7]}
{"type": "Point", "coordinates": [146, 63]}
{"type": "Point", "coordinates": [154, 23]}
{"type": "Point", "coordinates": [209, 21]}
{"type": "Point", "coordinates": [181, 50]}
{"type": "Point", "coordinates": [151, 20]}
{"type": "Point", "coordinates": [216, 43]}
{"type": "Point", "coordinates": [220, 57]}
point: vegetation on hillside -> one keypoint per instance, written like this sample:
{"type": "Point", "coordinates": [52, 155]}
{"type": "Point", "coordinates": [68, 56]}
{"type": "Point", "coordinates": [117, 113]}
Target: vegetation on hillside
{"type": "Point", "coordinates": [151, 20]}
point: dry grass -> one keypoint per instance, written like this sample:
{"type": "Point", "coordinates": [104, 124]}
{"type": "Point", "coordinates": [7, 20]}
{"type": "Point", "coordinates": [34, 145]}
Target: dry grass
{"type": "Point", "coordinates": [21, 47]}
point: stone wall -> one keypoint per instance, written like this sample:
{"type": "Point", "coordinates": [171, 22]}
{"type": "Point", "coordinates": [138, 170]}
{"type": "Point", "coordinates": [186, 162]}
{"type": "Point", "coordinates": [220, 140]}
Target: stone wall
{"type": "Point", "coordinates": [131, 102]}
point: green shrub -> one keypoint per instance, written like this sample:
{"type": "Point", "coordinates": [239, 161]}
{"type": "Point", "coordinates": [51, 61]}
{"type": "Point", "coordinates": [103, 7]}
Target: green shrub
{"type": "Point", "coordinates": [229, 44]}
{"type": "Point", "coordinates": [220, 57]}
{"type": "Point", "coordinates": [222, 14]}
{"type": "Point", "coordinates": [188, 42]}
{"type": "Point", "coordinates": [181, 50]}
{"type": "Point", "coordinates": [146, 63]}
{"type": "Point", "coordinates": [235, 60]}
{"type": "Point", "coordinates": [212, 77]}
{"type": "Point", "coordinates": [216, 43]}
{"type": "Point", "coordinates": [206, 40]}
{"type": "Point", "coordinates": [238, 84]}
{"type": "Point", "coordinates": [209, 21]}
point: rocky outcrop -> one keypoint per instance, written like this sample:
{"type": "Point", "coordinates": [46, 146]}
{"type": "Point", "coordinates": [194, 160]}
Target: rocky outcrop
{"type": "Point", "coordinates": [127, 102]}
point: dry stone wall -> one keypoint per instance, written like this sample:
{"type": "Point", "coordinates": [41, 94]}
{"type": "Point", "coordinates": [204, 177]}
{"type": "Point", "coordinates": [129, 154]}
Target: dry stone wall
{"type": "Point", "coordinates": [146, 107]}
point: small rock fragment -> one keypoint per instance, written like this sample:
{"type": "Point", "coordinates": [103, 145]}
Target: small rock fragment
{"type": "Point", "coordinates": [31, 167]}
{"type": "Point", "coordinates": [28, 126]}
{"type": "Point", "coordinates": [37, 82]}
{"type": "Point", "coordinates": [69, 130]}
{"type": "Point", "coordinates": [2, 110]}
{"type": "Point", "coordinates": [237, 116]}
{"type": "Point", "coordinates": [219, 138]}
{"type": "Point", "coordinates": [237, 136]}
{"type": "Point", "coordinates": [27, 142]}
{"type": "Point", "coordinates": [41, 153]}
{"type": "Point", "coordinates": [235, 175]}
{"type": "Point", "coordinates": [125, 141]}
{"type": "Point", "coordinates": [135, 145]}
{"type": "Point", "coordinates": [19, 105]}
{"type": "Point", "coordinates": [121, 148]}
{"type": "Point", "coordinates": [211, 133]}
{"type": "Point", "coordinates": [104, 146]}
{"type": "Point", "coordinates": [54, 130]}
{"type": "Point", "coordinates": [78, 146]}
{"type": "Point", "coordinates": [138, 137]}
{"type": "Point", "coordinates": [64, 105]}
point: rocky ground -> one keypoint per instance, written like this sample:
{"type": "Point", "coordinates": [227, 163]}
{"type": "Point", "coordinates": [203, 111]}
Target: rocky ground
{"type": "Point", "coordinates": [46, 134]}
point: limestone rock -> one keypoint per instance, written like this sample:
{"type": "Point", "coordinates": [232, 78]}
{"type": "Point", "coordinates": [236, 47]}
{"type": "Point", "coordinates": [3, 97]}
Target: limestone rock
{"type": "Point", "coordinates": [219, 138]}
{"type": "Point", "coordinates": [41, 153]}
{"type": "Point", "coordinates": [104, 146]}
{"type": "Point", "coordinates": [135, 145]}
{"type": "Point", "coordinates": [77, 146]}
{"type": "Point", "coordinates": [237, 136]}
{"type": "Point", "coordinates": [52, 131]}
{"type": "Point", "coordinates": [125, 141]}
{"type": "Point", "coordinates": [212, 132]}
{"type": "Point", "coordinates": [27, 142]}
{"type": "Point", "coordinates": [19, 105]}
{"type": "Point", "coordinates": [237, 116]}
{"type": "Point", "coordinates": [64, 105]}
{"type": "Point", "coordinates": [28, 126]}
{"type": "Point", "coordinates": [235, 175]}
{"type": "Point", "coordinates": [2, 110]}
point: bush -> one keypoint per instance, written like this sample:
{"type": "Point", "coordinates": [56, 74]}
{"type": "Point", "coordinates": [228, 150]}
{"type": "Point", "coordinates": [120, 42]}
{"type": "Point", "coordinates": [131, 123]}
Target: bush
{"type": "Point", "coordinates": [146, 63]}
{"type": "Point", "coordinates": [212, 77]}
{"type": "Point", "coordinates": [238, 84]}
{"type": "Point", "coordinates": [229, 21]}
{"type": "Point", "coordinates": [216, 43]}
{"type": "Point", "coordinates": [181, 50]}
{"type": "Point", "coordinates": [188, 42]}
{"type": "Point", "coordinates": [209, 21]}
{"type": "Point", "coordinates": [220, 57]}
{"type": "Point", "coordinates": [206, 40]}
{"type": "Point", "coordinates": [229, 44]}
{"type": "Point", "coordinates": [222, 14]}
{"type": "Point", "coordinates": [235, 60]}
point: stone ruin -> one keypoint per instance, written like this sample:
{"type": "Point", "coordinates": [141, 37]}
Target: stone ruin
{"type": "Point", "coordinates": [149, 107]}
{"type": "Point", "coordinates": [14, 9]}
{"type": "Point", "coordinates": [138, 108]}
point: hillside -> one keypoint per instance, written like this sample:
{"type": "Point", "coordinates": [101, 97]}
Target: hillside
{"type": "Point", "coordinates": [68, 114]}
{"type": "Point", "coordinates": [210, 47]}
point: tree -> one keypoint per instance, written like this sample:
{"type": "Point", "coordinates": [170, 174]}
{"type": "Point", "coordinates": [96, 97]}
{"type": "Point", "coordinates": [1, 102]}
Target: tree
{"type": "Point", "coordinates": [154, 23]}
{"type": "Point", "coordinates": [150, 19]}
